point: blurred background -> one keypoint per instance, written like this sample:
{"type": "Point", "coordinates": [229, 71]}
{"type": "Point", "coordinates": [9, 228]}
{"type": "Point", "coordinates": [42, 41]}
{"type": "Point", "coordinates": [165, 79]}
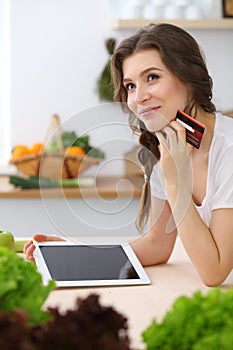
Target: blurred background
{"type": "Point", "coordinates": [53, 53]}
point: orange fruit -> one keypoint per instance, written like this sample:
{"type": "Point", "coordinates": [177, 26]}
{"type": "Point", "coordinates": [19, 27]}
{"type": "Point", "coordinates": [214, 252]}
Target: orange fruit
{"type": "Point", "coordinates": [20, 151]}
{"type": "Point", "coordinates": [36, 148]}
{"type": "Point", "coordinates": [76, 151]}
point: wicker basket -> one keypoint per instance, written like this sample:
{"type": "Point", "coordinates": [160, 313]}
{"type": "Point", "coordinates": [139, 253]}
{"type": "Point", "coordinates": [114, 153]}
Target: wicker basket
{"type": "Point", "coordinates": [54, 165]}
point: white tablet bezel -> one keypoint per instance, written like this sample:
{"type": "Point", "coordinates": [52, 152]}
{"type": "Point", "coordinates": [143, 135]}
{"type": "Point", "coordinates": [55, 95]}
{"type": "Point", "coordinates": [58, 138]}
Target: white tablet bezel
{"type": "Point", "coordinates": [43, 269]}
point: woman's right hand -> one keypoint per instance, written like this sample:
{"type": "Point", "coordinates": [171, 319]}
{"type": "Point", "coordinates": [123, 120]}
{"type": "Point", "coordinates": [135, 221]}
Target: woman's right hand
{"type": "Point", "coordinates": [29, 246]}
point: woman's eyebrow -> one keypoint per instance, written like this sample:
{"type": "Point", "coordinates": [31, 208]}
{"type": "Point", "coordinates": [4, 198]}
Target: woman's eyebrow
{"type": "Point", "coordinates": [126, 80]}
{"type": "Point", "coordinates": [145, 71]}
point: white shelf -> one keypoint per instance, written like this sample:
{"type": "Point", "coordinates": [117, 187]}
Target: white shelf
{"type": "Point", "coordinates": [224, 23]}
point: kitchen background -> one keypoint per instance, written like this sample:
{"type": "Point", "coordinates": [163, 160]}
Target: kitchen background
{"type": "Point", "coordinates": [52, 55]}
{"type": "Point", "coordinates": [56, 53]}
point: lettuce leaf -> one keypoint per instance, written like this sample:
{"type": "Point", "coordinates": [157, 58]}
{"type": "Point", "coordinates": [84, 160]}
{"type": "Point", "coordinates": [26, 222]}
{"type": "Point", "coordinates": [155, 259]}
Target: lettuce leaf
{"type": "Point", "coordinates": [202, 321]}
{"type": "Point", "coordinates": [21, 286]}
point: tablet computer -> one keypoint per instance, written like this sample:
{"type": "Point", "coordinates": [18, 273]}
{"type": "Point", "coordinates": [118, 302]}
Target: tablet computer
{"type": "Point", "coordinates": [78, 265]}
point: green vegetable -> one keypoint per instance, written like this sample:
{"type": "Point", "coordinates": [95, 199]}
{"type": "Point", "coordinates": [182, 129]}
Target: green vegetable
{"type": "Point", "coordinates": [70, 138]}
{"type": "Point", "coordinates": [94, 152]}
{"type": "Point", "coordinates": [41, 182]}
{"type": "Point", "coordinates": [104, 83]}
{"type": "Point", "coordinates": [19, 245]}
{"type": "Point", "coordinates": [201, 322]}
{"type": "Point", "coordinates": [21, 286]}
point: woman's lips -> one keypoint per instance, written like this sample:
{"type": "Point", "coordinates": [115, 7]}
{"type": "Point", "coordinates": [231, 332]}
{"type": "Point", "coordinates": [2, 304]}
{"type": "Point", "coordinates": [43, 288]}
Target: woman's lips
{"type": "Point", "coordinates": [148, 111]}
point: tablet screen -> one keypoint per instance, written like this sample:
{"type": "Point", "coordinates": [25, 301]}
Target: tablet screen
{"type": "Point", "coordinates": [73, 263]}
{"type": "Point", "coordinates": [89, 265]}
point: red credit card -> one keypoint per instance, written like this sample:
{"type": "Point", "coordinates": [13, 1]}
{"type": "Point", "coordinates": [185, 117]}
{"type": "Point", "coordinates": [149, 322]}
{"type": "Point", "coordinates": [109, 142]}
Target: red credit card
{"type": "Point", "coordinates": [194, 129]}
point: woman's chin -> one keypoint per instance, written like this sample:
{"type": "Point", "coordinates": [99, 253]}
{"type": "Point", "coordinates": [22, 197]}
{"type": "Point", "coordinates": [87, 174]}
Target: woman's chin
{"type": "Point", "coordinates": [157, 123]}
{"type": "Point", "coordinates": [151, 129]}
{"type": "Point", "coordinates": [155, 127]}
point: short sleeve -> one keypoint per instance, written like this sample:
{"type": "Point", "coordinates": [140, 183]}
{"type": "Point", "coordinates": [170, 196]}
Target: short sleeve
{"type": "Point", "coordinates": [223, 181]}
{"type": "Point", "coordinates": [157, 184]}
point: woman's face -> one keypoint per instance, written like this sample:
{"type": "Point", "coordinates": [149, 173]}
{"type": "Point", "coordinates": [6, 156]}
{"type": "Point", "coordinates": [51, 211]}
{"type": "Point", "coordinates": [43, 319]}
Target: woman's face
{"type": "Point", "coordinates": [154, 93]}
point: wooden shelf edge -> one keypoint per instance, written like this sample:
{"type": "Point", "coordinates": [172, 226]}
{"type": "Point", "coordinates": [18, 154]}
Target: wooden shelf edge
{"type": "Point", "coordinates": [224, 23]}
{"type": "Point", "coordinates": [107, 187]}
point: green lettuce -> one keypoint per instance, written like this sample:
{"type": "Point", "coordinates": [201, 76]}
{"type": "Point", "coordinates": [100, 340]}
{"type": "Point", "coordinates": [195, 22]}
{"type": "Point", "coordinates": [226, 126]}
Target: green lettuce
{"type": "Point", "coordinates": [21, 286]}
{"type": "Point", "coordinates": [202, 321]}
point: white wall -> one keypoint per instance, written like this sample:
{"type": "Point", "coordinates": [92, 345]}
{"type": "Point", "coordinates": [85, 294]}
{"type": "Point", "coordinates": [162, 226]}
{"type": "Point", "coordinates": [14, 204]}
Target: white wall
{"type": "Point", "coordinates": [58, 52]}
{"type": "Point", "coordinates": [5, 142]}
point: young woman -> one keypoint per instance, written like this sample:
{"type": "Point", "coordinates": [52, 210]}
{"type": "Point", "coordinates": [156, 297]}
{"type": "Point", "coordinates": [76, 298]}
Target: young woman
{"type": "Point", "coordinates": [188, 190]}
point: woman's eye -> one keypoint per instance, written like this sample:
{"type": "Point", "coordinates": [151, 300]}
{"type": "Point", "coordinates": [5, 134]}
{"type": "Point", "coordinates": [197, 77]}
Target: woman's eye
{"type": "Point", "coordinates": [129, 86]}
{"type": "Point", "coordinates": [153, 77]}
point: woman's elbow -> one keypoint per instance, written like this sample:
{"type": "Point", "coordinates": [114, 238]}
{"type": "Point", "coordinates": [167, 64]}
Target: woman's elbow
{"type": "Point", "coordinates": [214, 280]}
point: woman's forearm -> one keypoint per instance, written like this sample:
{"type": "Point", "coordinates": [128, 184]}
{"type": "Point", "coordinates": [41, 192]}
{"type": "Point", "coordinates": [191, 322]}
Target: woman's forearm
{"type": "Point", "coordinates": [196, 237]}
{"type": "Point", "coordinates": [150, 250]}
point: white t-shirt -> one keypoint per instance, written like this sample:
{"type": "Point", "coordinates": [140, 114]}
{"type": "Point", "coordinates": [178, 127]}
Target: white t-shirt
{"type": "Point", "coordinates": [219, 191]}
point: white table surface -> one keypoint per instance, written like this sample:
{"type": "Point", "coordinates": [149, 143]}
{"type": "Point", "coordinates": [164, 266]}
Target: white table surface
{"type": "Point", "coordinates": [141, 304]}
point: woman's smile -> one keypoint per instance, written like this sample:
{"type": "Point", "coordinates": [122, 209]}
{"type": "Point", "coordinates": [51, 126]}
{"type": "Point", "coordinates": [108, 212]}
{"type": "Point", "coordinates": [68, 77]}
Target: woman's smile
{"type": "Point", "coordinates": [147, 112]}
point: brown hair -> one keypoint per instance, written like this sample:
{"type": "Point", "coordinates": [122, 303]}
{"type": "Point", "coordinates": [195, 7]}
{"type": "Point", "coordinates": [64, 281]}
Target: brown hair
{"type": "Point", "coordinates": [183, 57]}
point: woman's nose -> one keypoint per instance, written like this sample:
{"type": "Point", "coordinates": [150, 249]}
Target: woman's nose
{"type": "Point", "coordinates": [142, 94]}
